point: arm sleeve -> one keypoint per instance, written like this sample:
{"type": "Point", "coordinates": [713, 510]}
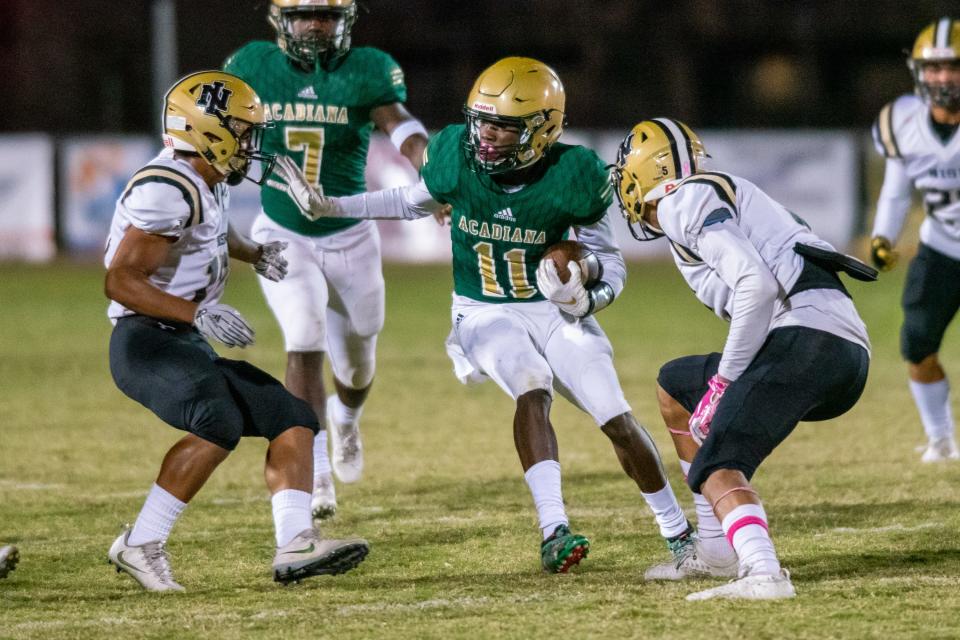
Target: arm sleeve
{"type": "Point", "coordinates": [727, 251]}
{"type": "Point", "coordinates": [158, 208]}
{"type": "Point", "coordinates": [600, 239]}
{"type": "Point", "coordinates": [402, 203]}
{"type": "Point", "coordinates": [894, 201]}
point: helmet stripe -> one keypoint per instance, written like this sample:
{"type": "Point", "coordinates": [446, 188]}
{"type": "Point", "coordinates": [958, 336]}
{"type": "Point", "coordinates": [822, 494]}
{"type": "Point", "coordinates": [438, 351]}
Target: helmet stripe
{"type": "Point", "coordinates": [681, 146]}
{"type": "Point", "coordinates": [674, 152]}
{"type": "Point", "coordinates": [942, 39]}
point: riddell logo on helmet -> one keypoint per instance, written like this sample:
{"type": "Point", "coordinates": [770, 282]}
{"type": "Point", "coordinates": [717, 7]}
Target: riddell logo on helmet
{"type": "Point", "coordinates": [669, 187]}
{"type": "Point", "coordinates": [486, 108]}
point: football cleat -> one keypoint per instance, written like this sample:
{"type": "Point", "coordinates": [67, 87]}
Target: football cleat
{"type": "Point", "coordinates": [759, 587]}
{"type": "Point", "coordinates": [563, 550]}
{"type": "Point", "coordinates": [323, 505]}
{"type": "Point", "coordinates": [691, 561]}
{"type": "Point", "coordinates": [347, 459]}
{"type": "Point", "coordinates": [310, 555]}
{"type": "Point", "coordinates": [148, 563]}
{"type": "Point", "coordinates": [9, 557]}
{"type": "Point", "coordinates": [940, 450]}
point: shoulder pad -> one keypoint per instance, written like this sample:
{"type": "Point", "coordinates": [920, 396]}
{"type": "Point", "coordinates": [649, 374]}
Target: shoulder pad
{"type": "Point", "coordinates": [173, 178]}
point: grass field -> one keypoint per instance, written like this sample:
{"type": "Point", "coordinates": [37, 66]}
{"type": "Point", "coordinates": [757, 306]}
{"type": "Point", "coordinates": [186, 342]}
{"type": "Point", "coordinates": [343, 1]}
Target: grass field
{"type": "Point", "coordinates": [870, 535]}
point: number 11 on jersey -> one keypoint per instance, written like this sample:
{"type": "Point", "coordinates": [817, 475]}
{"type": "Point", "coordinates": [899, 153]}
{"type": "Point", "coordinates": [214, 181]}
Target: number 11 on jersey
{"type": "Point", "coordinates": [520, 286]}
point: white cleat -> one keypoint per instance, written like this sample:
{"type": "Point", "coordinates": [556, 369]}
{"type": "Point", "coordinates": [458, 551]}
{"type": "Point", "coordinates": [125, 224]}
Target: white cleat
{"type": "Point", "coordinates": [323, 505]}
{"type": "Point", "coordinates": [148, 563]}
{"type": "Point", "coordinates": [757, 587]}
{"type": "Point", "coordinates": [347, 449]}
{"type": "Point", "coordinates": [690, 560]}
{"type": "Point", "coordinates": [941, 450]}
{"type": "Point", "coordinates": [310, 555]}
{"type": "Point", "coordinates": [9, 557]}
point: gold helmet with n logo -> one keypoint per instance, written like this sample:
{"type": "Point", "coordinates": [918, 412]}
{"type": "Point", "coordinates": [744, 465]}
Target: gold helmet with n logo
{"type": "Point", "coordinates": [219, 117]}
{"type": "Point", "coordinates": [937, 45]}
{"type": "Point", "coordinates": [312, 47]}
{"type": "Point", "coordinates": [652, 159]}
{"type": "Point", "coordinates": [515, 92]}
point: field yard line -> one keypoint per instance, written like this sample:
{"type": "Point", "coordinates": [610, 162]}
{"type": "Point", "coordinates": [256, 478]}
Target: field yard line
{"type": "Point", "coordinates": [31, 486]}
{"type": "Point", "coordinates": [890, 527]}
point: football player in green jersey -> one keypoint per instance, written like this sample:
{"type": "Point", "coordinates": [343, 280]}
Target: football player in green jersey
{"type": "Point", "coordinates": [514, 192]}
{"type": "Point", "coordinates": [325, 98]}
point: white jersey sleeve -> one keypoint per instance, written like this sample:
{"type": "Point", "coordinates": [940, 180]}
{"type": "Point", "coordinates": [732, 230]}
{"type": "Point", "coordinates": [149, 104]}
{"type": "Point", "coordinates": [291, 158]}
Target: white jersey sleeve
{"type": "Point", "coordinates": [408, 202]}
{"type": "Point", "coordinates": [601, 240]}
{"type": "Point", "coordinates": [894, 202]}
{"type": "Point", "coordinates": [703, 217]}
{"type": "Point", "coordinates": [156, 207]}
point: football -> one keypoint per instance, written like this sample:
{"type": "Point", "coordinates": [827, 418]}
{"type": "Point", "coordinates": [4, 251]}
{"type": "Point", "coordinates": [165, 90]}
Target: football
{"type": "Point", "coordinates": [562, 253]}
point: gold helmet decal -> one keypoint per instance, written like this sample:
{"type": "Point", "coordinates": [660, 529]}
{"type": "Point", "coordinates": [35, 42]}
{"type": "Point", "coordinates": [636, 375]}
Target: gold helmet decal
{"type": "Point", "coordinates": [937, 45]}
{"type": "Point", "coordinates": [220, 117]}
{"type": "Point", "coordinates": [515, 92]}
{"type": "Point", "coordinates": [313, 47]}
{"type": "Point", "coordinates": [652, 159]}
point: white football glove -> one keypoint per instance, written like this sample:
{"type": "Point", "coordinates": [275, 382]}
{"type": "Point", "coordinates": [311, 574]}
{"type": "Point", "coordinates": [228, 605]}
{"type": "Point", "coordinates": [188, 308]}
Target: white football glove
{"type": "Point", "coordinates": [224, 323]}
{"type": "Point", "coordinates": [571, 297]}
{"type": "Point", "coordinates": [271, 264]}
{"type": "Point", "coordinates": [308, 199]}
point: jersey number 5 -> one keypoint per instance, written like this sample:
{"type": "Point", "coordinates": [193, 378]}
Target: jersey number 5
{"type": "Point", "coordinates": [520, 287]}
{"type": "Point", "coordinates": [310, 141]}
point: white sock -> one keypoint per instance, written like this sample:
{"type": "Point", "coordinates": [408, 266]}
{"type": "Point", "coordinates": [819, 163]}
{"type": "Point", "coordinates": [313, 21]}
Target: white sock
{"type": "Point", "coordinates": [685, 467]}
{"type": "Point", "coordinates": [746, 530]}
{"type": "Point", "coordinates": [543, 479]}
{"type": "Point", "coordinates": [667, 511]}
{"type": "Point", "coordinates": [157, 517]}
{"type": "Point", "coordinates": [341, 413]}
{"type": "Point", "coordinates": [933, 402]}
{"type": "Point", "coordinates": [291, 514]}
{"type": "Point", "coordinates": [708, 524]}
{"type": "Point", "coordinates": [321, 459]}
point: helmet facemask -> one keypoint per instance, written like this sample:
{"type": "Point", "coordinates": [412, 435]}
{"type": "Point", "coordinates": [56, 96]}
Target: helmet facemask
{"type": "Point", "coordinates": [484, 158]}
{"type": "Point", "coordinates": [944, 95]}
{"type": "Point", "coordinates": [249, 139]}
{"type": "Point", "coordinates": [313, 48]}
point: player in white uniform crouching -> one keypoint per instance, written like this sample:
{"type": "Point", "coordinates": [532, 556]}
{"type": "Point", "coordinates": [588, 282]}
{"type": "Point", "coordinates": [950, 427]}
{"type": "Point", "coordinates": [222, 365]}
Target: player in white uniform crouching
{"type": "Point", "coordinates": [796, 349]}
{"type": "Point", "coordinates": [918, 136]}
{"type": "Point", "coordinates": [167, 260]}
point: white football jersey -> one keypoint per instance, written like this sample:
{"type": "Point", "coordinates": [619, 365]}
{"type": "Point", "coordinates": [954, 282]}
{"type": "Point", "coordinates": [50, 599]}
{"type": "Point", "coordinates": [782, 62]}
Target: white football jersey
{"type": "Point", "coordinates": [918, 158]}
{"type": "Point", "coordinates": [168, 197]}
{"type": "Point", "coordinates": [734, 245]}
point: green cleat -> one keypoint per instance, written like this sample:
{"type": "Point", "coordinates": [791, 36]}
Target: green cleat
{"type": "Point", "coordinates": [563, 550]}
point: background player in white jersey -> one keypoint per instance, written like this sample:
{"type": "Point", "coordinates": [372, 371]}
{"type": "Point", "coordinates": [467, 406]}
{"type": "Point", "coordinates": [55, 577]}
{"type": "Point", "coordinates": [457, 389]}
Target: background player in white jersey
{"type": "Point", "coordinates": [325, 97]}
{"type": "Point", "coordinates": [515, 191]}
{"type": "Point", "coordinates": [796, 349]}
{"type": "Point", "coordinates": [917, 134]}
{"type": "Point", "coordinates": [167, 260]}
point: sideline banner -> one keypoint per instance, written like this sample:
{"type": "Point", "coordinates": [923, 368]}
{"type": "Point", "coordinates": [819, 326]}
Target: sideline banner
{"type": "Point", "coordinates": [26, 198]}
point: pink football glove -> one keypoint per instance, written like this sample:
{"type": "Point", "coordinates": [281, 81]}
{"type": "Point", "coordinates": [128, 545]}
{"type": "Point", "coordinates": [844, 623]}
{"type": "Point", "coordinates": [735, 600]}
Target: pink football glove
{"type": "Point", "coordinates": [706, 408]}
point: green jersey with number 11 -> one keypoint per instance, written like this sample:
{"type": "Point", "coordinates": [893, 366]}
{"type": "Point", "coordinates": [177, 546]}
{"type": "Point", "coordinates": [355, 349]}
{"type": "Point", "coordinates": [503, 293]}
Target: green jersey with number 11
{"type": "Point", "coordinates": [499, 235]}
{"type": "Point", "coordinates": [321, 120]}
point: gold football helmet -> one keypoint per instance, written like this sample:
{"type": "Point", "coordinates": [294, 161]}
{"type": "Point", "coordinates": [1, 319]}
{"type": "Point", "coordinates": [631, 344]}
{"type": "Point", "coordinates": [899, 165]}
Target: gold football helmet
{"type": "Point", "coordinates": [938, 43]}
{"type": "Point", "coordinates": [219, 117]}
{"type": "Point", "coordinates": [652, 159]}
{"type": "Point", "coordinates": [312, 48]}
{"type": "Point", "coordinates": [516, 92]}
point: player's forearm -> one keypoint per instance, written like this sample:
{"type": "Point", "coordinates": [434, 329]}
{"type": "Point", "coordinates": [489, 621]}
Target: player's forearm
{"type": "Point", "coordinates": [241, 247]}
{"type": "Point", "coordinates": [754, 300]}
{"type": "Point", "coordinates": [893, 203]}
{"type": "Point", "coordinates": [402, 203]}
{"type": "Point", "coordinates": [412, 148]}
{"type": "Point", "coordinates": [133, 290]}
{"type": "Point", "coordinates": [599, 238]}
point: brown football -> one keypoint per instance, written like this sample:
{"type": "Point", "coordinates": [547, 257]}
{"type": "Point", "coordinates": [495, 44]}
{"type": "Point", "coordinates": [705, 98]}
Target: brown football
{"type": "Point", "coordinates": [563, 252]}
